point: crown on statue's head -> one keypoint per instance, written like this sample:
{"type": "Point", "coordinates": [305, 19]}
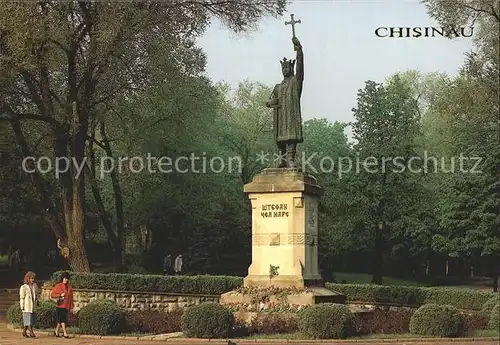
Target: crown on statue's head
{"type": "Point", "coordinates": [286, 62]}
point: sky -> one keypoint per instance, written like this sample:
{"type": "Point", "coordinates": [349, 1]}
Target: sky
{"type": "Point", "coordinates": [341, 50]}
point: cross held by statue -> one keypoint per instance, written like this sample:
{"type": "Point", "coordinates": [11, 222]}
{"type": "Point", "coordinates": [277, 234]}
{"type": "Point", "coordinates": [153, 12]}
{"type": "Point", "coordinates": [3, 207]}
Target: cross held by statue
{"type": "Point", "coordinates": [292, 22]}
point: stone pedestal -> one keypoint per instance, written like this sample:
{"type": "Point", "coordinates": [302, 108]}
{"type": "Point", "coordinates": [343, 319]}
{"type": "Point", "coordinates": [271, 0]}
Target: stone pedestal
{"type": "Point", "coordinates": [284, 229]}
{"type": "Point", "coordinates": [284, 274]}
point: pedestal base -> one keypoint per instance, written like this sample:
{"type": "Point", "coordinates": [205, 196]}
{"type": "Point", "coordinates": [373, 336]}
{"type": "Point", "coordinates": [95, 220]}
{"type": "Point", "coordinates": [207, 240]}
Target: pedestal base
{"type": "Point", "coordinates": [275, 299]}
{"type": "Point", "coordinates": [284, 229]}
{"type": "Point", "coordinates": [282, 281]}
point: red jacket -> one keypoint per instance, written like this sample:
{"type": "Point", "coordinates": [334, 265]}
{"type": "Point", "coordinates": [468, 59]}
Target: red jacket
{"type": "Point", "coordinates": [67, 303]}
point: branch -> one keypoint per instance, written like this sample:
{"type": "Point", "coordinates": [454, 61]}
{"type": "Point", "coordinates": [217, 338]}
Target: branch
{"type": "Point", "coordinates": [480, 10]}
{"type": "Point", "coordinates": [20, 116]}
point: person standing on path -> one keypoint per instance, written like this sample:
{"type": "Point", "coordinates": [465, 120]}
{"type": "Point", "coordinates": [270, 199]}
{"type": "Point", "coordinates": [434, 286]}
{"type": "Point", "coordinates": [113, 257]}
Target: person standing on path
{"type": "Point", "coordinates": [63, 296]}
{"type": "Point", "coordinates": [28, 300]}
{"type": "Point", "coordinates": [178, 264]}
{"type": "Point", "coordinates": [167, 265]}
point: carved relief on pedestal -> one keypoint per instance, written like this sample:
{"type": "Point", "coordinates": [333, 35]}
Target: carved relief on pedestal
{"type": "Point", "coordinates": [277, 239]}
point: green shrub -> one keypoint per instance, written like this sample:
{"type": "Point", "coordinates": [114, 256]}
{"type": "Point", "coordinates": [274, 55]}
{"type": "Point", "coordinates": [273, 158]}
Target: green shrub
{"type": "Point", "coordinates": [461, 298]}
{"type": "Point", "coordinates": [46, 315]}
{"type": "Point", "coordinates": [494, 322]}
{"type": "Point", "coordinates": [101, 317]}
{"type": "Point", "coordinates": [405, 295]}
{"type": "Point", "coordinates": [203, 284]}
{"type": "Point", "coordinates": [412, 295]}
{"type": "Point", "coordinates": [326, 321]}
{"type": "Point", "coordinates": [207, 320]}
{"type": "Point", "coordinates": [489, 304]}
{"type": "Point", "coordinates": [15, 315]}
{"type": "Point", "coordinates": [437, 320]}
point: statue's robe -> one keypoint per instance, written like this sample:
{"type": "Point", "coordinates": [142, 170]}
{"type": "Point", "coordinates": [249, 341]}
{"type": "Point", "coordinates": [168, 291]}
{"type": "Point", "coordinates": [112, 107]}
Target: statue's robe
{"type": "Point", "coordinates": [287, 117]}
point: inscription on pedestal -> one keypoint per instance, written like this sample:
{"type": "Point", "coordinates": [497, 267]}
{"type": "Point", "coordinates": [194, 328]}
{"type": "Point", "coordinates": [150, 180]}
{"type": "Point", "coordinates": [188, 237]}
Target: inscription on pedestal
{"type": "Point", "coordinates": [312, 216]}
{"type": "Point", "coordinates": [274, 211]}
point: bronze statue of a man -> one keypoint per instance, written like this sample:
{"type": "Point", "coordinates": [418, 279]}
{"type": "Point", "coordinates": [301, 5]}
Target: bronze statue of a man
{"type": "Point", "coordinates": [285, 100]}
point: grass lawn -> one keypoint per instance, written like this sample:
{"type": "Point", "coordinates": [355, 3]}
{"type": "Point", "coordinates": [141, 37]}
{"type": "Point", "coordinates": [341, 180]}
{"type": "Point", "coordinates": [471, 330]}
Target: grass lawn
{"type": "Point", "coordinates": [365, 278]}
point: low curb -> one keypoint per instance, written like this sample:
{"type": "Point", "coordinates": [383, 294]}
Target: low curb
{"type": "Point", "coordinates": [257, 341]}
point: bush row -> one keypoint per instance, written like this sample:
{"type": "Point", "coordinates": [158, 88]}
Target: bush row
{"type": "Point", "coordinates": [414, 296]}
{"type": "Point", "coordinates": [216, 285]}
{"type": "Point", "coordinates": [202, 284]}
{"type": "Point", "coordinates": [334, 321]}
{"type": "Point", "coordinates": [211, 320]}
{"type": "Point", "coordinates": [103, 317]}
{"type": "Point", "coordinates": [45, 315]}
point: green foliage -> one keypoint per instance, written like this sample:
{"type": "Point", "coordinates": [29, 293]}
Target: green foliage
{"type": "Point", "coordinates": [457, 297]}
{"type": "Point", "coordinates": [45, 315]}
{"type": "Point", "coordinates": [494, 322]}
{"type": "Point", "coordinates": [437, 320]}
{"type": "Point", "coordinates": [101, 317]}
{"type": "Point", "coordinates": [326, 321]}
{"type": "Point", "coordinates": [489, 304]}
{"type": "Point", "coordinates": [405, 295]}
{"type": "Point", "coordinates": [464, 116]}
{"type": "Point", "coordinates": [413, 296]}
{"type": "Point", "coordinates": [207, 320]}
{"type": "Point", "coordinates": [204, 285]}
{"type": "Point", "coordinates": [14, 314]}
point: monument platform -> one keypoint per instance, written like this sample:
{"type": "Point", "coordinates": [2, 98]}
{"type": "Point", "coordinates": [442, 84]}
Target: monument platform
{"type": "Point", "coordinates": [278, 299]}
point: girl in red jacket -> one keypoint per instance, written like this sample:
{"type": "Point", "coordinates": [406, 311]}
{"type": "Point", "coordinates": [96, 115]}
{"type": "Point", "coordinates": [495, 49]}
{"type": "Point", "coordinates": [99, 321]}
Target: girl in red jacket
{"type": "Point", "coordinates": [63, 296]}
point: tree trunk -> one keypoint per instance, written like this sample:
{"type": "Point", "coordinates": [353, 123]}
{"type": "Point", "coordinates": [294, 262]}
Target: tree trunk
{"type": "Point", "coordinates": [113, 240]}
{"type": "Point", "coordinates": [495, 272]}
{"type": "Point", "coordinates": [120, 222]}
{"type": "Point", "coordinates": [378, 249]}
{"type": "Point", "coordinates": [75, 229]}
{"type": "Point", "coordinates": [378, 257]}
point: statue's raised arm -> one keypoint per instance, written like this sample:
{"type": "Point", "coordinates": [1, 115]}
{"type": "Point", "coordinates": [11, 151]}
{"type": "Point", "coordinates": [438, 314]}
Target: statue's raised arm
{"type": "Point", "coordinates": [299, 63]}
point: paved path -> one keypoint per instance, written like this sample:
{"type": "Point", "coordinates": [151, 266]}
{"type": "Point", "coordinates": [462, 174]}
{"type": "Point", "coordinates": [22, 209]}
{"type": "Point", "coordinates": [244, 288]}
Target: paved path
{"type": "Point", "coordinates": [8, 337]}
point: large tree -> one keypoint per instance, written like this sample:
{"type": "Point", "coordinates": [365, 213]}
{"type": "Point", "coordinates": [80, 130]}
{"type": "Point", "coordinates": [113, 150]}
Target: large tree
{"type": "Point", "coordinates": [471, 201]}
{"type": "Point", "coordinates": [385, 128]}
{"type": "Point", "coordinates": [63, 63]}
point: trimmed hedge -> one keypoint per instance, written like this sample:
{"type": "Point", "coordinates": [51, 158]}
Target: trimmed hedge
{"type": "Point", "coordinates": [207, 320]}
{"type": "Point", "coordinates": [327, 321]}
{"type": "Point", "coordinates": [438, 320]}
{"type": "Point", "coordinates": [414, 296]}
{"type": "Point", "coordinates": [488, 306]}
{"type": "Point", "coordinates": [460, 298]}
{"type": "Point", "coordinates": [495, 317]}
{"type": "Point", "coordinates": [101, 317]}
{"type": "Point", "coordinates": [201, 285]}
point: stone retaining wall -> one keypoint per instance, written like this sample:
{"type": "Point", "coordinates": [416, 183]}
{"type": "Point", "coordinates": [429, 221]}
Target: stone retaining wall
{"type": "Point", "coordinates": [133, 301]}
